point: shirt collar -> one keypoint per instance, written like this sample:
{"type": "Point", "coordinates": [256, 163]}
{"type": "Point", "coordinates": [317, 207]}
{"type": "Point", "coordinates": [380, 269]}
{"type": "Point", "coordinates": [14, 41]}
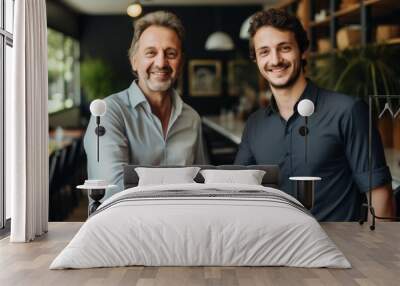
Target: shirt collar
{"type": "Point", "coordinates": [136, 97]}
{"type": "Point", "coordinates": [310, 92]}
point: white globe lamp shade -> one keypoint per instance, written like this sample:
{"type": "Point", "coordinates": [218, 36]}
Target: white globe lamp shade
{"type": "Point", "coordinates": [219, 41]}
{"type": "Point", "coordinates": [134, 10]}
{"type": "Point", "coordinates": [98, 107]}
{"type": "Point", "coordinates": [305, 107]}
{"type": "Point", "coordinates": [244, 29]}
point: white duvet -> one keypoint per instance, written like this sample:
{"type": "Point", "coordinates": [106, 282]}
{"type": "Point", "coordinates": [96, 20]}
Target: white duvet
{"type": "Point", "coordinates": [183, 231]}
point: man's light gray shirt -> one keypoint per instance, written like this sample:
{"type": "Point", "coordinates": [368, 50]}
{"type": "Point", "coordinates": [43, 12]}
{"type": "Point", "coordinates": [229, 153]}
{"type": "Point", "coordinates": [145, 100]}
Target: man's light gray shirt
{"type": "Point", "coordinates": [134, 135]}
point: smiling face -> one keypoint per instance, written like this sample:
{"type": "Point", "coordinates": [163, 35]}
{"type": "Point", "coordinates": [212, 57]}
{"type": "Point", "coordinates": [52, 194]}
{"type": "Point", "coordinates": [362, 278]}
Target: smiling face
{"type": "Point", "coordinates": [278, 56]}
{"type": "Point", "coordinates": [158, 58]}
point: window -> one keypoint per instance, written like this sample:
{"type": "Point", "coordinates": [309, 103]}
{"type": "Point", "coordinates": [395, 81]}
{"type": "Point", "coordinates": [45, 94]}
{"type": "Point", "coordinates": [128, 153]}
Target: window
{"type": "Point", "coordinates": [63, 66]}
{"type": "Point", "coordinates": [6, 44]}
{"type": "Point", "coordinates": [9, 19]}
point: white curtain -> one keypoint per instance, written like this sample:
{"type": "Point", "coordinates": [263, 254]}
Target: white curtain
{"type": "Point", "coordinates": [27, 124]}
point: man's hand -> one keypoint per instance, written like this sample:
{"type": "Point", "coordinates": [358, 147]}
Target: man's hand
{"type": "Point", "coordinates": [383, 201]}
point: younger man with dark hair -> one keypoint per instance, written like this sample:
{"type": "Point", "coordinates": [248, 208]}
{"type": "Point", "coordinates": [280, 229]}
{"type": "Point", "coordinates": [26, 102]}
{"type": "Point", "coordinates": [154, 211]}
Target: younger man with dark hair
{"type": "Point", "coordinates": [338, 137]}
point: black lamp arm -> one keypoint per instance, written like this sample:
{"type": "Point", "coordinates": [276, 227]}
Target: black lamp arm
{"type": "Point", "coordinates": [100, 131]}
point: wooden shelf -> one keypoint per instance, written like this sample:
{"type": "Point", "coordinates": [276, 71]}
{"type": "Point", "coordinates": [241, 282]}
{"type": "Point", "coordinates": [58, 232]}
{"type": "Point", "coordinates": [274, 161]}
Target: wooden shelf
{"type": "Point", "coordinates": [372, 2]}
{"type": "Point", "coordinates": [394, 41]}
{"type": "Point", "coordinates": [380, 11]}
{"type": "Point", "coordinates": [324, 22]}
{"type": "Point", "coordinates": [353, 9]}
{"type": "Point", "coordinates": [340, 14]}
{"type": "Point", "coordinates": [352, 12]}
{"type": "Point", "coordinates": [317, 55]}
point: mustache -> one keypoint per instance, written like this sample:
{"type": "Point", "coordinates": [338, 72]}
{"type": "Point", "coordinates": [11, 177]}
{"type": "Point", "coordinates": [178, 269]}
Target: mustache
{"type": "Point", "coordinates": [279, 65]}
{"type": "Point", "coordinates": [164, 69]}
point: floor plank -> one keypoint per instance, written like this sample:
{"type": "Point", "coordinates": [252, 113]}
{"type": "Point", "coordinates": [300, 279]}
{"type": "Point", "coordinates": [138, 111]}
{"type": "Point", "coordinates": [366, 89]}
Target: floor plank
{"type": "Point", "coordinates": [374, 255]}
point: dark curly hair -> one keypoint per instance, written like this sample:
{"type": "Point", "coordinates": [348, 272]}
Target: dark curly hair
{"type": "Point", "coordinates": [282, 20]}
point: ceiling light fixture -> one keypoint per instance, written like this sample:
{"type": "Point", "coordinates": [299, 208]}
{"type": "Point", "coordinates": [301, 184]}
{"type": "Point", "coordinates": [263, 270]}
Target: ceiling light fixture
{"type": "Point", "coordinates": [135, 9]}
{"type": "Point", "coordinates": [219, 41]}
{"type": "Point", "coordinates": [244, 30]}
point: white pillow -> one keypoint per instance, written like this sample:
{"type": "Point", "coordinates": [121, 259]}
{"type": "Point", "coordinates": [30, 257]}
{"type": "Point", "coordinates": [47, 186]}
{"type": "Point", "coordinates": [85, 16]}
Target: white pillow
{"type": "Point", "coordinates": [162, 176]}
{"type": "Point", "coordinates": [248, 177]}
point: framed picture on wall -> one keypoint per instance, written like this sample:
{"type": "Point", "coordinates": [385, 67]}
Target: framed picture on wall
{"type": "Point", "coordinates": [205, 78]}
{"type": "Point", "coordinates": [241, 74]}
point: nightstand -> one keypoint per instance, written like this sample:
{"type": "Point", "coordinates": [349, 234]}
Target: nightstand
{"type": "Point", "coordinates": [96, 191]}
{"type": "Point", "coordinates": [305, 187]}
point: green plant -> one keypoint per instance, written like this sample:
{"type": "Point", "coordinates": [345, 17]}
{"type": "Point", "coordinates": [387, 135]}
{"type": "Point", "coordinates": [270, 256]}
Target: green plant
{"type": "Point", "coordinates": [373, 69]}
{"type": "Point", "coordinates": [96, 79]}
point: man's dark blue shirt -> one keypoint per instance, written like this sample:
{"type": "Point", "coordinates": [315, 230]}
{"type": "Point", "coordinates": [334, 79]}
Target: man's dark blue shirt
{"type": "Point", "coordinates": [337, 151]}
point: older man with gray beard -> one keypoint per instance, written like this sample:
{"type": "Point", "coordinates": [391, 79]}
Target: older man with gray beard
{"type": "Point", "coordinates": [148, 123]}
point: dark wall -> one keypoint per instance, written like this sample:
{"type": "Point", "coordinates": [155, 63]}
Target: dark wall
{"type": "Point", "coordinates": [109, 38]}
{"type": "Point", "coordinates": [62, 18]}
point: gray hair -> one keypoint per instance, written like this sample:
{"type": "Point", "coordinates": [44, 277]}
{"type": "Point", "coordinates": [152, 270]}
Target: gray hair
{"type": "Point", "coordinates": [158, 18]}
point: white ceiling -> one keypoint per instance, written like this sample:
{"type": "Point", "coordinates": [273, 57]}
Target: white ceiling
{"type": "Point", "coordinates": [119, 6]}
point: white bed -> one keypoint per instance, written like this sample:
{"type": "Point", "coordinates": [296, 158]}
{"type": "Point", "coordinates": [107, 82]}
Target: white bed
{"type": "Point", "coordinates": [223, 225]}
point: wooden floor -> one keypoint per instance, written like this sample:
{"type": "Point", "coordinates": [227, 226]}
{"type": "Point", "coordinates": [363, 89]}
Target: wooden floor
{"type": "Point", "coordinates": [375, 257]}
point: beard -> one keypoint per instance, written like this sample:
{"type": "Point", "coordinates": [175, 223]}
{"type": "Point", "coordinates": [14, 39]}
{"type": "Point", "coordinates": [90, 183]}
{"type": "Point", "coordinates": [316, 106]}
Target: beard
{"type": "Point", "coordinates": [159, 85]}
{"type": "Point", "coordinates": [294, 76]}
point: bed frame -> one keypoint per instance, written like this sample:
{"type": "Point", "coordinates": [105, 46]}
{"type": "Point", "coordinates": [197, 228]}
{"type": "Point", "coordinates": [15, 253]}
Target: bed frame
{"type": "Point", "coordinates": [270, 179]}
